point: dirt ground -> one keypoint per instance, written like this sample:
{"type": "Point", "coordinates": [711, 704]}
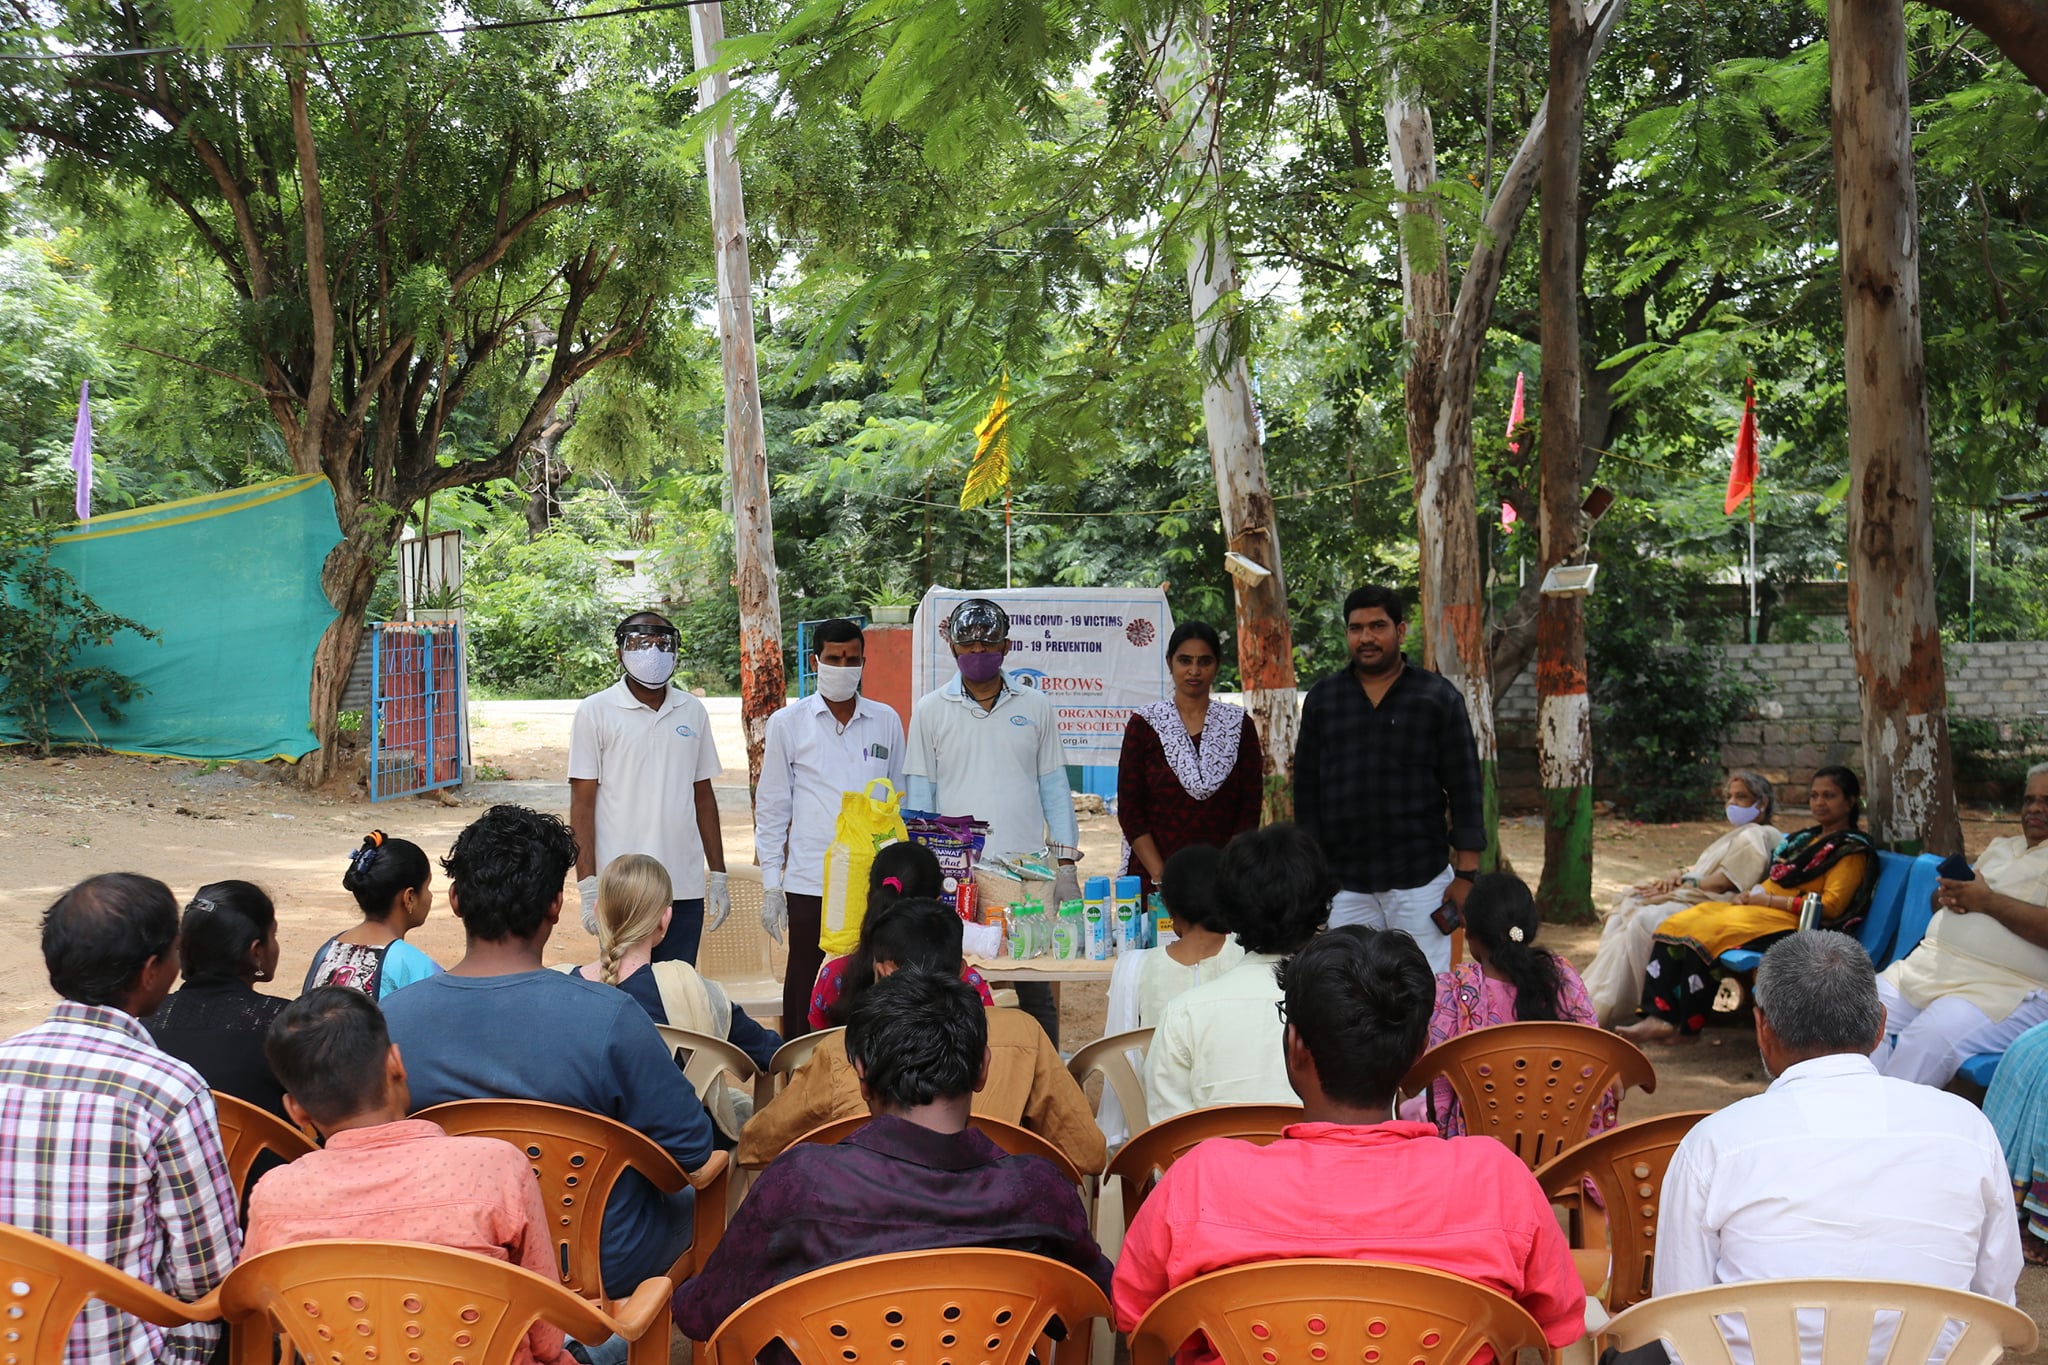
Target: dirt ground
{"type": "Point", "coordinates": [75, 815]}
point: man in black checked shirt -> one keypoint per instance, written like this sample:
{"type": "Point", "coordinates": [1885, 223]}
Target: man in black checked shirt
{"type": "Point", "coordinates": [1386, 777]}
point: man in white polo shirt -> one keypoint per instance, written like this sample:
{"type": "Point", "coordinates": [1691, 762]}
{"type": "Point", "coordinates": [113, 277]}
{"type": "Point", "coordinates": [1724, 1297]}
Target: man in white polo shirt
{"type": "Point", "coordinates": [641, 760]}
{"type": "Point", "coordinates": [985, 747]}
{"type": "Point", "coordinates": [832, 742]}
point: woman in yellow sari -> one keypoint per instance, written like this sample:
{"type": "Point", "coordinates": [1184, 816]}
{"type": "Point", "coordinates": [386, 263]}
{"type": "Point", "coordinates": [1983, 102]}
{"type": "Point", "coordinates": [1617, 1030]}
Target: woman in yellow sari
{"type": "Point", "coordinates": [1832, 857]}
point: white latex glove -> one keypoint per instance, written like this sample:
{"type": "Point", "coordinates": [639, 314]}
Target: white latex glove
{"type": "Point", "coordinates": [717, 901]}
{"type": "Point", "coordinates": [1066, 885]}
{"type": "Point", "coordinates": [774, 911]}
{"type": "Point", "coordinates": [587, 890]}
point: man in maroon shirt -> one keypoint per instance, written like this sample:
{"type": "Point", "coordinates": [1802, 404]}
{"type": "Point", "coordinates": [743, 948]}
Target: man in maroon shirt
{"type": "Point", "coordinates": [916, 1178]}
{"type": "Point", "coordinates": [1350, 1180]}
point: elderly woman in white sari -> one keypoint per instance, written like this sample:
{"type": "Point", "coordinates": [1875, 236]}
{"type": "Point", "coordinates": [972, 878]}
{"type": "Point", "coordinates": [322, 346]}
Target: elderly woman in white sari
{"type": "Point", "coordinates": [1732, 863]}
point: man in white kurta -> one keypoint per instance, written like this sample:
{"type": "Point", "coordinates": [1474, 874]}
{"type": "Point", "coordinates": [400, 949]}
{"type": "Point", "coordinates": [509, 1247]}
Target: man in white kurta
{"type": "Point", "coordinates": [1979, 979]}
{"type": "Point", "coordinates": [1836, 1171]}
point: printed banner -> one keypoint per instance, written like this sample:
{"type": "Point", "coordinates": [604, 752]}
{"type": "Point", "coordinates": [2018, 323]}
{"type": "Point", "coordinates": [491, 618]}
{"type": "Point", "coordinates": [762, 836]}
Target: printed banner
{"type": "Point", "coordinates": [1099, 653]}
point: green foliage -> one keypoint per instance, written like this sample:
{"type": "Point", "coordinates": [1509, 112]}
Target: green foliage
{"type": "Point", "coordinates": [1661, 702]}
{"type": "Point", "coordinates": [46, 622]}
{"type": "Point", "coordinates": [1991, 760]}
{"type": "Point", "coordinates": [539, 619]}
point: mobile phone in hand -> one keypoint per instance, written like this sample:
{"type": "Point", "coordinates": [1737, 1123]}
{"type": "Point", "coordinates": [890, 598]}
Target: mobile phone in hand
{"type": "Point", "coordinates": [1447, 917]}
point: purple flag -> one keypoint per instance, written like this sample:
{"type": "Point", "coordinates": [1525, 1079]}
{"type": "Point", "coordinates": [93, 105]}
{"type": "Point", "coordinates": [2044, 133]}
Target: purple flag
{"type": "Point", "coordinates": [81, 454]}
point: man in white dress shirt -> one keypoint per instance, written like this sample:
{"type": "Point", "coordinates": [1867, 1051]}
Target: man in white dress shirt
{"type": "Point", "coordinates": [1836, 1171]}
{"type": "Point", "coordinates": [832, 742]}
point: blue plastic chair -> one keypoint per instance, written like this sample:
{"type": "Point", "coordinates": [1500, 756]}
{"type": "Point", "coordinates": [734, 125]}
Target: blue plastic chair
{"type": "Point", "coordinates": [1880, 922]}
{"type": "Point", "coordinates": [1980, 1068]}
{"type": "Point", "coordinates": [1917, 908]}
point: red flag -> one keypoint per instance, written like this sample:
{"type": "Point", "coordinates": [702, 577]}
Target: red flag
{"type": "Point", "coordinates": [1515, 415]}
{"type": "Point", "coordinates": [1742, 473]}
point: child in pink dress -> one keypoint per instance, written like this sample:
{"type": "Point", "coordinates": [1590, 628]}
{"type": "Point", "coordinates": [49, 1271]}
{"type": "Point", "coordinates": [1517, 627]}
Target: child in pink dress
{"type": "Point", "coordinates": [1510, 980]}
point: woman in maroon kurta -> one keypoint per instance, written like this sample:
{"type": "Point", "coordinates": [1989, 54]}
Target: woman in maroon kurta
{"type": "Point", "coordinates": [1192, 771]}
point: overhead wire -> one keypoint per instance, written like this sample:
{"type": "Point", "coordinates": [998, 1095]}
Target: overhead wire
{"type": "Point", "coordinates": [313, 44]}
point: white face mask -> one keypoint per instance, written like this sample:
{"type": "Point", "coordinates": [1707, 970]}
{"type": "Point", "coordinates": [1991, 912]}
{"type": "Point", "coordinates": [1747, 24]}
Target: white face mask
{"type": "Point", "coordinates": [1743, 815]}
{"type": "Point", "coordinates": [650, 667]}
{"type": "Point", "coordinates": [837, 682]}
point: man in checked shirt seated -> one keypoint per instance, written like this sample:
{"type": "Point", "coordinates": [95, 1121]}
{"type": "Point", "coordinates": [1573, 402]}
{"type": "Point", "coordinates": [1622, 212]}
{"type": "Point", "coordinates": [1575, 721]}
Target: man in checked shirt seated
{"type": "Point", "coordinates": [108, 1144]}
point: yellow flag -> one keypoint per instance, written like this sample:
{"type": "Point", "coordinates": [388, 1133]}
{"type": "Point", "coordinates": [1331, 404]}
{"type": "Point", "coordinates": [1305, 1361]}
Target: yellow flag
{"type": "Point", "coordinates": [990, 473]}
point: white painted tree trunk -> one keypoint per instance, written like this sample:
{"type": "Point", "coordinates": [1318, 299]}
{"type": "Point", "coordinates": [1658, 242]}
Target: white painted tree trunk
{"type": "Point", "coordinates": [1190, 97]}
{"type": "Point", "coordinates": [746, 452]}
{"type": "Point", "coordinates": [1893, 626]}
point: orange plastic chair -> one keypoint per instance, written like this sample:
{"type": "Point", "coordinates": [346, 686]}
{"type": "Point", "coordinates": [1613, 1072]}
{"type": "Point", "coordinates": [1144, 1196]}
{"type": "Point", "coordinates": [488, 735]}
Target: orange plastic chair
{"type": "Point", "coordinates": [1138, 1163]}
{"type": "Point", "coordinates": [47, 1283]}
{"type": "Point", "coordinates": [1627, 1166]}
{"type": "Point", "coordinates": [578, 1157]}
{"type": "Point", "coordinates": [1535, 1087]}
{"type": "Point", "coordinates": [408, 1302]}
{"type": "Point", "coordinates": [964, 1304]}
{"type": "Point", "coordinates": [1336, 1310]}
{"type": "Point", "coordinates": [1008, 1136]}
{"type": "Point", "coordinates": [1769, 1311]}
{"type": "Point", "coordinates": [247, 1132]}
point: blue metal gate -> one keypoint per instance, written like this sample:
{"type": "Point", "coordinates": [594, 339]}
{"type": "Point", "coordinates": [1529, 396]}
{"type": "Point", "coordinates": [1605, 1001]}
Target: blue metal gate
{"type": "Point", "coordinates": [806, 678]}
{"type": "Point", "coordinates": [417, 713]}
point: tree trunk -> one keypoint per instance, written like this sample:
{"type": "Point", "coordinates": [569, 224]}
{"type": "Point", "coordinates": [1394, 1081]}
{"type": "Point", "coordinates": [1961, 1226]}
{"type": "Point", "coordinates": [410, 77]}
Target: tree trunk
{"type": "Point", "coordinates": [1185, 79]}
{"type": "Point", "coordinates": [1563, 714]}
{"type": "Point", "coordinates": [762, 688]}
{"type": "Point", "coordinates": [1453, 604]}
{"type": "Point", "coordinates": [1440, 438]}
{"type": "Point", "coordinates": [2018, 27]}
{"type": "Point", "coordinates": [1892, 622]}
{"type": "Point", "coordinates": [347, 578]}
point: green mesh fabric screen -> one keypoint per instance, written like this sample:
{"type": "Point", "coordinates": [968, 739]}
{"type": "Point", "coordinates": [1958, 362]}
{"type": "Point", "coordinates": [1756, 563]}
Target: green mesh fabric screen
{"type": "Point", "coordinates": [232, 584]}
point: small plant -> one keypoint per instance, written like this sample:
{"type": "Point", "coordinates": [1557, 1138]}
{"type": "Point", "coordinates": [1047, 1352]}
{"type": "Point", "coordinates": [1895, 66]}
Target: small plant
{"type": "Point", "coordinates": [891, 589]}
{"type": "Point", "coordinates": [484, 772]}
{"type": "Point", "coordinates": [46, 623]}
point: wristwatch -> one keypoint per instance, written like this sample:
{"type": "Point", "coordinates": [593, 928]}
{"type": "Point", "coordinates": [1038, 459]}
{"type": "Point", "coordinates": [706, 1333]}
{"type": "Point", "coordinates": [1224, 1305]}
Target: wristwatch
{"type": "Point", "coordinates": [1463, 874]}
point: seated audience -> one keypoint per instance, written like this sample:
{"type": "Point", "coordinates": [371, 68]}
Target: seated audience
{"type": "Point", "coordinates": [392, 881]}
{"type": "Point", "coordinates": [1509, 980]}
{"type": "Point", "coordinates": [1980, 977]}
{"type": "Point", "coordinates": [633, 910]}
{"type": "Point", "coordinates": [901, 871]}
{"type": "Point", "coordinates": [1832, 859]}
{"type": "Point", "coordinates": [1027, 1083]}
{"type": "Point", "coordinates": [498, 1024]}
{"type": "Point", "coordinates": [1350, 1180]}
{"type": "Point", "coordinates": [1220, 1043]}
{"type": "Point", "coordinates": [917, 1177]}
{"type": "Point", "coordinates": [1731, 864]}
{"type": "Point", "coordinates": [108, 1144]}
{"type": "Point", "coordinates": [381, 1176]}
{"type": "Point", "coordinates": [1835, 1171]}
{"type": "Point", "coordinates": [1201, 951]}
{"type": "Point", "coordinates": [215, 1022]}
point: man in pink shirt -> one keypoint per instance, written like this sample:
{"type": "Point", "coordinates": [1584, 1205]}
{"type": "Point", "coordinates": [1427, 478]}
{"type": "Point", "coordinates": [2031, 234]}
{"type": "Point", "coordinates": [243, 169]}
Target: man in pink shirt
{"type": "Point", "coordinates": [1350, 1180]}
{"type": "Point", "coordinates": [383, 1176]}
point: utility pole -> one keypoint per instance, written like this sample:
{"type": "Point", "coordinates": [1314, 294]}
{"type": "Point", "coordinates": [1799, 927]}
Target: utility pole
{"type": "Point", "coordinates": [746, 448]}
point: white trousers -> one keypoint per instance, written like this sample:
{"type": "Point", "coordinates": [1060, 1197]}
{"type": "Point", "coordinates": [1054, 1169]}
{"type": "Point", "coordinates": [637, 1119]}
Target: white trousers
{"type": "Point", "coordinates": [1406, 908]}
{"type": "Point", "coordinates": [1614, 978]}
{"type": "Point", "coordinates": [1928, 1045]}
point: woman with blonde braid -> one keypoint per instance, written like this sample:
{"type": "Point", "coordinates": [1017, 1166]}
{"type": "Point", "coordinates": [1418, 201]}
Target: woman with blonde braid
{"type": "Point", "coordinates": [633, 909]}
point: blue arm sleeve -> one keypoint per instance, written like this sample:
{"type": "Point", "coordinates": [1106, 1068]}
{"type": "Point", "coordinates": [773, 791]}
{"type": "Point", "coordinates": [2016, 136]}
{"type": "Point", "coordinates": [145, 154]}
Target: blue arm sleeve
{"type": "Point", "coordinates": [1056, 799]}
{"type": "Point", "coordinates": [757, 1041]}
{"type": "Point", "coordinates": [648, 1097]}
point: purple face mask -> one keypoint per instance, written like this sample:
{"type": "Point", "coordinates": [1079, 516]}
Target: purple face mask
{"type": "Point", "coordinates": [979, 668]}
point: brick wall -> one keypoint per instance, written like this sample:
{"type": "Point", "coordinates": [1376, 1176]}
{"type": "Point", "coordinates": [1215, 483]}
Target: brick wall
{"type": "Point", "coordinates": [1807, 716]}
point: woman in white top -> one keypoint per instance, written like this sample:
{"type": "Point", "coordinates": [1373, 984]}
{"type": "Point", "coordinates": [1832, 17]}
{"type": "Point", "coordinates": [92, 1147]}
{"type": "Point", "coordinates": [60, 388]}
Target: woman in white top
{"type": "Point", "coordinates": [1734, 862]}
{"type": "Point", "coordinates": [1202, 948]}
